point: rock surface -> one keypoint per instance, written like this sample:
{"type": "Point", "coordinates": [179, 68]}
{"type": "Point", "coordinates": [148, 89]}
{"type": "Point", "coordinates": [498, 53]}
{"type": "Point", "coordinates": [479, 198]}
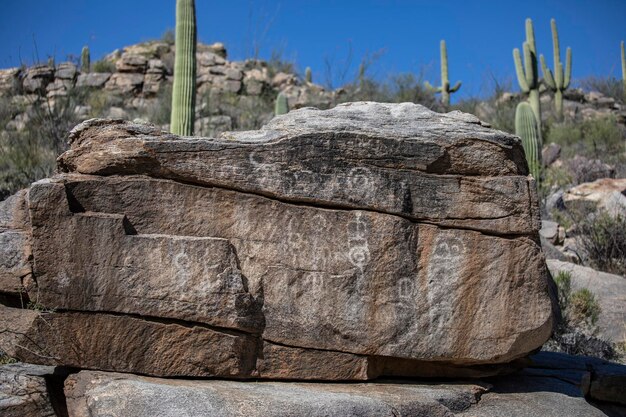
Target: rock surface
{"type": "Point", "coordinates": [361, 237]}
{"type": "Point", "coordinates": [553, 385]}
{"type": "Point", "coordinates": [24, 391]}
{"type": "Point", "coordinates": [608, 194]}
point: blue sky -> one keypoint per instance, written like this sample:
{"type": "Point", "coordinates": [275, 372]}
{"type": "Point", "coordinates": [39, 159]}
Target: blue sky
{"type": "Point", "coordinates": [480, 34]}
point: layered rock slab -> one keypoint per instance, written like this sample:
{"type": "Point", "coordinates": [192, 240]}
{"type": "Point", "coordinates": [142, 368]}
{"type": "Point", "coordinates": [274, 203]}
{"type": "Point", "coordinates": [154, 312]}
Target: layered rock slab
{"type": "Point", "coordinates": [24, 391]}
{"type": "Point", "coordinates": [333, 278]}
{"type": "Point", "coordinates": [400, 159]}
{"type": "Point", "coordinates": [354, 281]}
{"type": "Point", "coordinates": [15, 248]}
{"type": "Point", "coordinates": [553, 385]}
{"type": "Point", "coordinates": [139, 396]}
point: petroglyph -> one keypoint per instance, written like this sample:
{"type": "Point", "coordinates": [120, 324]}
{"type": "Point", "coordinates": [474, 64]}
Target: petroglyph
{"type": "Point", "coordinates": [444, 272]}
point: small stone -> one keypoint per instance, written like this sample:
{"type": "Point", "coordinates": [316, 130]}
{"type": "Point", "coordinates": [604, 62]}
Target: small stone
{"type": "Point", "coordinates": [93, 79]}
{"type": "Point", "coordinates": [132, 63]}
{"type": "Point", "coordinates": [125, 83]}
{"type": "Point", "coordinates": [66, 71]}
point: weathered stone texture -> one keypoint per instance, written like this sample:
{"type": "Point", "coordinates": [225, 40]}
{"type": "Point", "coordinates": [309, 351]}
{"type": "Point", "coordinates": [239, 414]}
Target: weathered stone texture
{"type": "Point", "coordinates": [24, 391]}
{"type": "Point", "coordinates": [367, 240]}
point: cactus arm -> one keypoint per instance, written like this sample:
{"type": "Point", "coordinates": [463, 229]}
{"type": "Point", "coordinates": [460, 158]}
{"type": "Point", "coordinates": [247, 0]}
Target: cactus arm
{"type": "Point", "coordinates": [456, 87]}
{"type": "Point", "coordinates": [444, 64]}
{"type": "Point", "coordinates": [308, 75]}
{"type": "Point", "coordinates": [530, 66]}
{"type": "Point", "coordinates": [431, 88]}
{"type": "Point", "coordinates": [547, 74]}
{"type": "Point", "coordinates": [568, 68]}
{"type": "Point", "coordinates": [530, 36]}
{"type": "Point", "coordinates": [556, 49]}
{"type": "Point", "coordinates": [519, 70]}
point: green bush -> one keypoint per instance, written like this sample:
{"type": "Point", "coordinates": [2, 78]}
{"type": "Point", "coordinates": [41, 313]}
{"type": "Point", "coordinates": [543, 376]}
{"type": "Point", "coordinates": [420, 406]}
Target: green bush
{"type": "Point", "coordinates": [30, 154]}
{"type": "Point", "coordinates": [563, 281]}
{"type": "Point", "coordinates": [601, 138]}
{"type": "Point", "coordinates": [580, 308]}
{"type": "Point", "coordinates": [583, 308]}
{"type": "Point", "coordinates": [169, 36]}
{"type": "Point", "coordinates": [6, 359]}
{"type": "Point", "coordinates": [103, 65]}
{"type": "Point", "coordinates": [160, 112]}
{"type": "Point", "coordinates": [602, 237]}
{"type": "Point", "coordinates": [100, 101]}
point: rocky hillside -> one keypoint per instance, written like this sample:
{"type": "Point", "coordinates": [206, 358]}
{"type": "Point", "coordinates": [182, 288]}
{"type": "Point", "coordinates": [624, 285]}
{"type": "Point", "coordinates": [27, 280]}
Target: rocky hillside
{"type": "Point", "coordinates": [136, 82]}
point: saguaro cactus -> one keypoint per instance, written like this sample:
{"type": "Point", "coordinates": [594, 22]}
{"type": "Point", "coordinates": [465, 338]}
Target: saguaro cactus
{"type": "Point", "coordinates": [85, 60]}
{"type": "Point", "coordinates": [526, 128]}
{"type": "Point", "coordinates": [527, 74]}
{"type": "Point", "coordinates": [184, 89]}
{"type": "Point", "coordinates": [281, 106]}
{"type": "Point", "coordinates": [623, 67]}
{"type": "Point", "coordinates": [560, 80]}
{"type": "Point", "coordinates": [444, 88]}
{"type": "Point", "coordinates": [308, 75]}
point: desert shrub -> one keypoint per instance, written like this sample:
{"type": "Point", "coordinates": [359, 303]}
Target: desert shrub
{"type": "Point", "coordinates": [579, 308]}
{"type": "Point", "coordinates": [601, 138]}
{"type": "Point", "coordinates": [100, 101]}
{"type": "Point", "coordinates": [159, 113]}
{"type": "Point", "coordinates": [278, 63]}
{"type": "Point", "coordinates": [563, 281]}
{"type": "Point", "coordinates": [24, 157]}
{"type": "Point", "coordinates": [169, 36]}
{"type": "Point", "coordinates": [398, 88]}
{"type": "Point", "coordinates": [30, 154]}
{"type": "Point", "coordinates": [6, 359]}
{"type": "Point", "coordinates": [103, 65]}
{"type": "Point", "coordinates": [253, 112]}
{"type": "Point", "coordinates": [610, 87]}
{"type": "Point", "coordinates": [503, 116]}
{"type": "Point", "coordinates": [583, 308]}
{"type": "Point", "coordinates": [602, 237]}
{"type": "Point", "coordinates": [575, 332]}
{"type": "Point", "coordinates": [556, 176]}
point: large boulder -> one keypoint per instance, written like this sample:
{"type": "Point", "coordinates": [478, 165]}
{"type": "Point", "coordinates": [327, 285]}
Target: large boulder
{"type": "Point", "coordinates": [366, 240]}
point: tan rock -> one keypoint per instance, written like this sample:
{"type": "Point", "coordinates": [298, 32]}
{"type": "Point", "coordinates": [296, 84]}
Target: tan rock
{"type": "Point", "coordinates": [125, 83]}
{"type": "Point", "coordinates": [606, 193]}
{"type": "Point", "coordinates": [93, 79]}
{"type": "Point", "coordinates": [130, 62]}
